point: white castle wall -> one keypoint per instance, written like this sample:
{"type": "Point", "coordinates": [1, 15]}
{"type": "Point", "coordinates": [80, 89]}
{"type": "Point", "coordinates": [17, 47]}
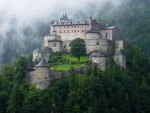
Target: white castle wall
{"type": "Point", "coordinates": [101, 62]}
{"type": "Point", "coordinates": [70, 32]}
{"type": "Point", "coordinates": [119, 45]}
{"type": "Point", "coordinates": [120, 60]}
{"type": "Point", "coordinates": [36, 56]}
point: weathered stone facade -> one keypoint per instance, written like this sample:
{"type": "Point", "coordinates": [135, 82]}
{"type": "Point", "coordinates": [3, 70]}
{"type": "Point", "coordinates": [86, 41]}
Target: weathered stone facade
{"type": "Point", "coordinates": [103, 43]}
{"type": "Point", "coordinates": [36, 55]}
{"type": "Point", "coordinates": [97, 36]}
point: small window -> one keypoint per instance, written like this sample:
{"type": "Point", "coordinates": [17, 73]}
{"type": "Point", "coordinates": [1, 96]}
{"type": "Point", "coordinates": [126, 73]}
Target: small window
{"type": "Point", "coordinates": [54, 44]}
{"type": "Point", "coordinates": [106, 35]}
{"type": "Point", "coordinates": [78, 31]}
{"type": "Point", "coordinates": [97, 43]}
{"type": "Point", "coordinates": [45, 77]}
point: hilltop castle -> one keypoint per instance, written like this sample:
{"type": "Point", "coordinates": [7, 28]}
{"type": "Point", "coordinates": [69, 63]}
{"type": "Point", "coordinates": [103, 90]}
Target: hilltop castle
{"type": "Point", "coordinates": [102, 43]}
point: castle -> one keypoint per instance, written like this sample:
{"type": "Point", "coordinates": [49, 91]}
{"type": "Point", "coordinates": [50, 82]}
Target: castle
{"type": "Point", "coordinates": [102, 43]}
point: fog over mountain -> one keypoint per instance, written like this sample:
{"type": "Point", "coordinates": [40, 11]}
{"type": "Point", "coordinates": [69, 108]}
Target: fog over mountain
{"type": "Point", "coordinates": [23, 23]}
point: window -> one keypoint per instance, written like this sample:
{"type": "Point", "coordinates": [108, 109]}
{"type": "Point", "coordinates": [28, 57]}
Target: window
{"type": "Point", "coordinates": [97, 43]}
{"type": "Point", "coordinates": [106, 35]}
{"type": "Point", "coordinates": [54, 44]}
{"type": "Point", "coordinates": [45, 77]}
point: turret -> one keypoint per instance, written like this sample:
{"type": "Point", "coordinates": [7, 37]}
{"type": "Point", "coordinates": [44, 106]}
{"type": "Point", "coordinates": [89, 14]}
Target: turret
{"type": "Point", "coordinates": [42, 75]}
{"type": "Point", "coordinates": [90, 20]}
{"type": "Point", "coordinates": [36, 55]}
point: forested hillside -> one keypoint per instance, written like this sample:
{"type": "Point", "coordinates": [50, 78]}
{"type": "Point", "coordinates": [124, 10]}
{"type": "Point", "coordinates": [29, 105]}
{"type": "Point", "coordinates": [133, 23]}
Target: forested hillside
{"type": "Point", "coordinates": [115, 91]}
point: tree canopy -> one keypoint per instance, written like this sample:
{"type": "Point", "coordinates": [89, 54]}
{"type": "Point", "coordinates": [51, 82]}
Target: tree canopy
{"type": "Point", "coordinates": [78, 48]}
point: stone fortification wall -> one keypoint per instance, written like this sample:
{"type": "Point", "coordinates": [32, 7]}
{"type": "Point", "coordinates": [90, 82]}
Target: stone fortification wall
{"type": "Point", "coordinates": [58, 74]}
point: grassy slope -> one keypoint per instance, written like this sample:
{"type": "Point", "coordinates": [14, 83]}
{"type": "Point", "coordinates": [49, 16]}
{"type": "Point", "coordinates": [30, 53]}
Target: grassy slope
{"type": "Point", "coordinates": [73, 62]}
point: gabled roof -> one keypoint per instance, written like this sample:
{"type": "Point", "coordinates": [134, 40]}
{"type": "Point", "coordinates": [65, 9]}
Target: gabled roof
{"type": "Point", "coordinates": [43, 63]}
{"type": "Point", "coordinates": [98, 54]}
{"type": "Point", "coordinates": [93, 31]}
{"type": "Point", "coordinates": [37, 51]}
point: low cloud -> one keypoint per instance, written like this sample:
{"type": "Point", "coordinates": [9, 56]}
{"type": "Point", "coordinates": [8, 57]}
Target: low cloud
{"type": "Point", "coordinates": [23, 23]}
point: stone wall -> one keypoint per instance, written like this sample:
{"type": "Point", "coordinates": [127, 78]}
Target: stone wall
{"type": "Point", "coordinates": [120, 60]}
{"type": "Point", "coordinates": [32, 77]}
{"type": "Point", "coordinates": [58, 74]}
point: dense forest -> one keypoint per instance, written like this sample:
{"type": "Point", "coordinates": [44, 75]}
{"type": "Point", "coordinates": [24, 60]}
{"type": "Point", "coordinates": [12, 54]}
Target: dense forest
{"type": "Point", "coordinates": [116, 90]}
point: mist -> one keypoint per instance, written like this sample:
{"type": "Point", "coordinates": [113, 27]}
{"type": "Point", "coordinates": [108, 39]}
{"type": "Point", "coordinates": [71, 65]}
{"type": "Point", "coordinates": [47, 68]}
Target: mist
{"type": "Point", "coordinates": [24, 23]}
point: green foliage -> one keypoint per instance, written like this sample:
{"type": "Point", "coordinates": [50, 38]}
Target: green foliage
{"type": "Point", "coordinates": [67, 66]}
{"type": "Point", "coordinates": [63, 62]}
{"type": "Point", "coordinates": [116, 90]}
{"type": "Point", "coordinates": [78, 48]}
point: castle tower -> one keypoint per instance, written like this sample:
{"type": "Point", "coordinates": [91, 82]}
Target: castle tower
{"type": "Point", "coordinates": [120, 58]}
{"type": "Point", "coordinates": [42, 75]}
{"type": "Point", "coordinates": [36, 55]}
{"type": "Point", "coordinates": [99, 58]}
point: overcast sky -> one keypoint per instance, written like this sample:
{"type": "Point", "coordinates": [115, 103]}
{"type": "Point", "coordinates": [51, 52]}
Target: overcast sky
{"type": "Point", "coordinates": [32, 9]}
{"type": "Point", "coordinates": [15, 15]}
